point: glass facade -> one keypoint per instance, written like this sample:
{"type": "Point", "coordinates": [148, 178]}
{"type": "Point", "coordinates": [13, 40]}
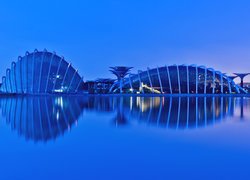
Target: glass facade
{"type": "Point", "coordinates": [179, 79]}
{"type": "Point", "coordinates": [41, 73]}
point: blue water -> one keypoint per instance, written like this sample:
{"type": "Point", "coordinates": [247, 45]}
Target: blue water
{"type": "Point", "coordinates": [98, 137]}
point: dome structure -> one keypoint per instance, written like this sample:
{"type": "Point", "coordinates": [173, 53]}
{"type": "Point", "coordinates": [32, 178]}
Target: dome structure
{"type": "Point", "coordinates": [41, 72]}
{"type": "Point", "coordinates": [179, 79]}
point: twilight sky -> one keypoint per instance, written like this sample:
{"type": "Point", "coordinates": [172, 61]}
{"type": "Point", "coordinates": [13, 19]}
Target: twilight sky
{"type": "Point", "coordinates": [95, 34]}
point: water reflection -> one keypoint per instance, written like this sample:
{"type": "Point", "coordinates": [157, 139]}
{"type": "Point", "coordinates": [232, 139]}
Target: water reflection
{"type": "Point", "coordinates": [48, 117]}
{"type": "Point", "coordinates": [181, 112]}
{"type": "Point", "coordinates": [40, 118]}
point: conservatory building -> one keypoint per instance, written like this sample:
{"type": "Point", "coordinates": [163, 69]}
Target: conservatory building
{"type": "Point", "coordinates": [41, 72]}
{"type": "Point", "coordinates": [178, 79]}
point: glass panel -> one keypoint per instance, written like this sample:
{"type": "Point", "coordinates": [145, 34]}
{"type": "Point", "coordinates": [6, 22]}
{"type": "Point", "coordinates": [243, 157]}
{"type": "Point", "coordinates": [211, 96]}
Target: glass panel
{"type": "Point", "coordinates": [174, 79]}
{"type": "Point", "coordinates": [68, 78]}
{"type": "Point", "coordinates": [19, 76]}
{"type": "Point", "coordinates": [192, 79]}
{"type": "Point", "coordinates": [135, 83]}
{"type": "Point", "coordinates": [45, 70]}
{"type": "Point", "coordinates": [155, 80]}
{"type": "Point", "coordinates": [3, 84]}
{"type": "Point", "coordinates": [183, 79]}
{"type": "Point", "coordinates": [164, 80]}
{"type": "Point", "coordinates": [146, 82]}
{"type": "Point", "coordinates": [13, 78]}
{"type": "Point", "coordinates": [29, 74]}
{"type": "Point", "coordinates": [8, 88]}
{"type": "Point", "coordinates": [60, 76]}
{"type": "Point", "coordinates": [24, 63]}
{"type": "Point", "coordinates": [201, 80]}
{"type": "Point", "coordinates": [210, 84]}
{"type": "Point", "coordinates": [53, 73]}
{"type": "Point", "coordinates": [37, 68]}
{"type": "Point", "coordinates": [75, 83]}
{"type": "Point", "coordinates": [217, 84]}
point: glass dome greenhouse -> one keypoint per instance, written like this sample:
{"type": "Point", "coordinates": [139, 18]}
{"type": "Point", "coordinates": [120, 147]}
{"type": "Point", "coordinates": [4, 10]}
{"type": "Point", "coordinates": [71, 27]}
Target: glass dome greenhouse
{"type": "Point", "coordinates": [41, 72]}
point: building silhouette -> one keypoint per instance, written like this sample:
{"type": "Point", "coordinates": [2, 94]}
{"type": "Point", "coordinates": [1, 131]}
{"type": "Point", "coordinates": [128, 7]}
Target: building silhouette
{"type": "Point", "coordinates": [43, 72]}
{"type": "Point", "coordinates": [179, 79]}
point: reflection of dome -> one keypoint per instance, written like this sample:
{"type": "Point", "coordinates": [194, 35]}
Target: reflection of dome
{"type": "Point", "coordinates": [179, 79]}
{"type": "Point", "coordinates": [41, 118]}
{"type": "Point", "coordinates": [41, 72]}
{"type": "Point", "coordinates": [180, 112]}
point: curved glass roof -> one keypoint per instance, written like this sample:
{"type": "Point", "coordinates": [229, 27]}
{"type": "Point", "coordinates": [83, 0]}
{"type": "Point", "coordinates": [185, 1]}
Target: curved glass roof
{"type": "Point", "coordinates": [179, 79]}
{"type": "Point", "coordinates": [41, 72]}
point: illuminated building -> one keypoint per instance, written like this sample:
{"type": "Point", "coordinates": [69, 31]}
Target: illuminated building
{"type": "Point", "coordinates": [41, 72]}
{"type": "Point", "coordinates": [179, 79]}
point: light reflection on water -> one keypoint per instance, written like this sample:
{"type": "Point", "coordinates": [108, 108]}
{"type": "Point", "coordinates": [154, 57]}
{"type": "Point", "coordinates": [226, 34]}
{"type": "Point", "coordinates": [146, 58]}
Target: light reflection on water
{"type": "Point", "coordinates": [101, 137]}
{"type": "Point", "coordinates": [45, 118]}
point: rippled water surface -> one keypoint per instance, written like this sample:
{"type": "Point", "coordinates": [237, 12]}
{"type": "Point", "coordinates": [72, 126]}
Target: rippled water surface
{"type": "Point", "coordinates": [100, 137]}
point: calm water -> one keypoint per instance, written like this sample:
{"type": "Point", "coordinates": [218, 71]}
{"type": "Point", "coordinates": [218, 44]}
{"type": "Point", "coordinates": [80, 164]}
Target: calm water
{"type": "Point", "coordinates": [124, 138]}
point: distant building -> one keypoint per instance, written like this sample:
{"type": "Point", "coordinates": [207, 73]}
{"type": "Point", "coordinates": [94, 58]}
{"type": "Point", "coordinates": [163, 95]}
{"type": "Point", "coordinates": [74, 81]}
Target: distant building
{"type": "Point", "coordinates": [99, 86]}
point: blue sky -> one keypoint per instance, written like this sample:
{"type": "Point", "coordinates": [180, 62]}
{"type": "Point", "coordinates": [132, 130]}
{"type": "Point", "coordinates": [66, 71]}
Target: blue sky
{"type": "Point", "coordinates": [94, 35]}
